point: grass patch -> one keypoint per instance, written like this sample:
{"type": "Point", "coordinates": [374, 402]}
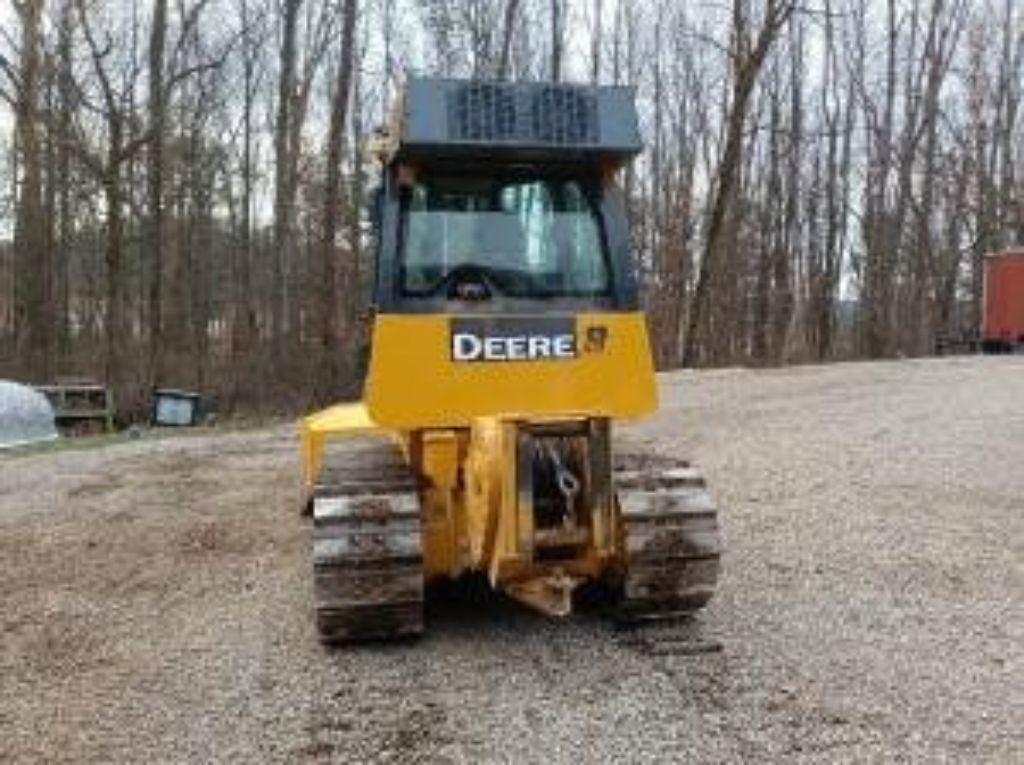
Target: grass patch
{"type": "Point", "coordinates": [100, 441]}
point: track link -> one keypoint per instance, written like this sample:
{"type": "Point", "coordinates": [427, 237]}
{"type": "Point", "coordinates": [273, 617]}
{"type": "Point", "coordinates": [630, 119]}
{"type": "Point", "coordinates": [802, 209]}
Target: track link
{"type": "Point", "coordinates": [367, 549]}
{"type": "Point", "coordinates": [671, 537]}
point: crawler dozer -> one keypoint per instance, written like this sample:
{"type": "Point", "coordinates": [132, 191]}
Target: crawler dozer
{"type": "Point", "coordinates": [506, 338]}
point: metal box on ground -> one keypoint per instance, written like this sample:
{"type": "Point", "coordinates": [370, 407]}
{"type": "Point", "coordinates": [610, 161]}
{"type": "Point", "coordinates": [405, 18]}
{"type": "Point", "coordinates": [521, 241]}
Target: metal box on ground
{"type": "Point", "coordinates": [176, 408]}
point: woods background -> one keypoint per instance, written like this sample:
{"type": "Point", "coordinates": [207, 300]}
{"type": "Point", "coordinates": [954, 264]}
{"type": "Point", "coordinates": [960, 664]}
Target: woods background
{"type": "Point", "coordinates": [183, 181]}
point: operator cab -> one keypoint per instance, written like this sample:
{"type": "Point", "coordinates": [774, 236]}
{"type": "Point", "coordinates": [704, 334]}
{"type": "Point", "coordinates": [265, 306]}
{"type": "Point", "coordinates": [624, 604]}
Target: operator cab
{"type": "Point", "coordinates": [499, 198]}
{"type": "Point", "coordinates": [502, 238]}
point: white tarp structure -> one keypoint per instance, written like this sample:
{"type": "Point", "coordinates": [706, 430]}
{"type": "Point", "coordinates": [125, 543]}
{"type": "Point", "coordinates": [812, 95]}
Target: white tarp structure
{"type": "Point", "coordinates": [25, 415]}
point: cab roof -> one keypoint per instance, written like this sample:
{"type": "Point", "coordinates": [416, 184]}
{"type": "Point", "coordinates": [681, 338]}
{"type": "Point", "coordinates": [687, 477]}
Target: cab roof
{"type": "Point", "coordinates": [516, 122]}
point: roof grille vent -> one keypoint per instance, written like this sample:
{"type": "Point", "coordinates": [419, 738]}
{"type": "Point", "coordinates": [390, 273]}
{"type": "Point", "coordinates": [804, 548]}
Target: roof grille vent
{"type": "Point", "coordinates": [482, 112]}
{"type": "Point", "coordinates": [558, 115]}
{"type": "Point", "coordinates": [564, 116]}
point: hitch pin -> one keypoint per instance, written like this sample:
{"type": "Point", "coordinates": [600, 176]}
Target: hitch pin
{"type": "Point", "coordinates": [568, 484]}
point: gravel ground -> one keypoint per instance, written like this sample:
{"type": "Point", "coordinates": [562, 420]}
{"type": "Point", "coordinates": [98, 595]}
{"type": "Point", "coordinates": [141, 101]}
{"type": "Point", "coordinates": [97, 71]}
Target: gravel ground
{"type": "Point", "coordinates": [155, 605]}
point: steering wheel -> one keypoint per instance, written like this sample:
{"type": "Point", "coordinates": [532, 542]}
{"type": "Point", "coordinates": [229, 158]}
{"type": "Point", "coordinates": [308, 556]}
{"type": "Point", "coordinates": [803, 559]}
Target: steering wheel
{"type": "Point", "coordinates": [466, 282]}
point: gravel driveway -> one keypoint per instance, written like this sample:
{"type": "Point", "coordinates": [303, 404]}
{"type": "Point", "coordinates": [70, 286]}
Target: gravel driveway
{"type": "Point", "coordinates": [155, 604]}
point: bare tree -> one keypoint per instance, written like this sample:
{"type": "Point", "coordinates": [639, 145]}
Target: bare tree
{"type": "Point", "coordinates": [748, 54]}
{"type": "Point", "coordinates": [284, 173]}
{"type": "Point", "coordinates": [330, 347]}
{"type": "Point", "coordinates": [33, 318]}
{"type": "Point", "coordinates": [558, 11]}
{"type": "Point", "coordinates": [116, 100]}
{"type": "Point", "coordinates": [155, 186]}
{"type": "Point", "coordinates": [508, 28]}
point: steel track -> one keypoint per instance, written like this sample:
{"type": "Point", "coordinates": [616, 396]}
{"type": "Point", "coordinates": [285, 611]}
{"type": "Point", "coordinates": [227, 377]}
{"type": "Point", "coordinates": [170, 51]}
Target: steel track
{"type": "Point", "coordinates": [671, 537]}
{"type": "Point", "coordinates": [367, 550]}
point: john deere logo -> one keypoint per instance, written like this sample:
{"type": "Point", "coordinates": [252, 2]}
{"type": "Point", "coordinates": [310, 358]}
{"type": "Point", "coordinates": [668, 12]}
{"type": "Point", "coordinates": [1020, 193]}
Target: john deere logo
{"type": "Point", "coordinates": [596, 338]}
{"type": "Point", "coordinates": [506, 338]}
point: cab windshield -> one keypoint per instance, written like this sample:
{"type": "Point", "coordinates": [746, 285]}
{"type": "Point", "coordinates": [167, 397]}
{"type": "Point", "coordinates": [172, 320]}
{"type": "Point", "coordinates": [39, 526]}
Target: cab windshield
{"type": "Point", "coordinates": [526, 237]}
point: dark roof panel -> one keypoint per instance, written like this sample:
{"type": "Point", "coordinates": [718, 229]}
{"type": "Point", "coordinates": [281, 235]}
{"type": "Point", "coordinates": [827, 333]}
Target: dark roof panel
{"type": "Point", "coordinates": [532, 119]}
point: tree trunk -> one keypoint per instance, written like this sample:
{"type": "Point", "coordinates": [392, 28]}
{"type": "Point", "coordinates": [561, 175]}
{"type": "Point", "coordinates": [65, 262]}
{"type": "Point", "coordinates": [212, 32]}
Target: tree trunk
{"type": "Point", "coordinates": [64, 181]}
{"type": "Point", "coordinates": [557, 38]}
{"type": "Point", "coordinates": [508, 31]}
{"type": "Point", "coordinates": [330, 363]}
{"type": "Point", "coordinates": [116, 339]}
{"type": "Point", "coordinates": [155, 191]}
{"type": "Point", "coordinates": [244, 327]}
{"type": "Point", "coordinates": [284, 235]}
{"type": "Point", "coordinates": [33, 258]}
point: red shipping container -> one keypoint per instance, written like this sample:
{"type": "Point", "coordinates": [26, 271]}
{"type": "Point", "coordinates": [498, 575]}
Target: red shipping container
{"type": "Point", "coordinates": [1002, 325]}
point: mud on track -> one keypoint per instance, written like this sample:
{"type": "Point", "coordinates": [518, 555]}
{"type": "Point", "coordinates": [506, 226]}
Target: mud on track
{"type": "Point", "coordinates": [155, 603]}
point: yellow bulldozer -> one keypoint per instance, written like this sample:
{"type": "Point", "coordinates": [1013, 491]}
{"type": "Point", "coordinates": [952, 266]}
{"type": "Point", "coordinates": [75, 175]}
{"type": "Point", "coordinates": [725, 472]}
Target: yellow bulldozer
{"type": "Point", "coordinates": [506, 338]}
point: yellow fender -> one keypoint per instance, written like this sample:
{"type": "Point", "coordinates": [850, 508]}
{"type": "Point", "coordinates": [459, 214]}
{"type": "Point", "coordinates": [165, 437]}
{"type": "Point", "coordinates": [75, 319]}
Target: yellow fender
{"type": "Point", "coordinates": [340, 420]}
